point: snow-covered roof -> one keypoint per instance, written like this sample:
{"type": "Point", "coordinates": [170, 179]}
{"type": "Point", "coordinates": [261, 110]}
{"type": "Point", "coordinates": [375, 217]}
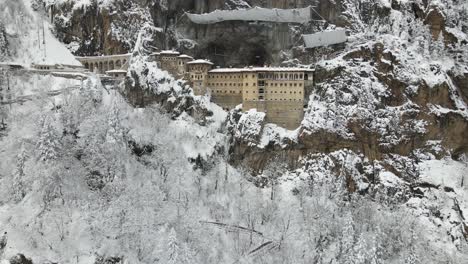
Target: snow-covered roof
{"type": "Point", "coordinates": [169, 52]}
{"type": "Point", "coordinates": [325, 38]}
{"type": "Point", "coordinates": [299, 15]}
{"type": "Point", "coordinates": [200, 62]}
{"type": "Point", "coordinates": [261, 69]}
{"type": "Point", "coordinates": [185, 56]}
{"type": "Point", "coordinates": [104, 57]}
{"type": "Point", "coordinates": [116, 71]}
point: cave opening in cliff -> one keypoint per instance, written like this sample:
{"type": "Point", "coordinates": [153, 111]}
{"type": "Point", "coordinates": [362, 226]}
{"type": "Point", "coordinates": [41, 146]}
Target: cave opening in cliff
{"type": "Point", "coordinates": [258, 56]}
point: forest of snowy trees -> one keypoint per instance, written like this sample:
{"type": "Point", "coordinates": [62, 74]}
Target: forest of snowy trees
{"type": "Point", "coordinates": [89, 177]}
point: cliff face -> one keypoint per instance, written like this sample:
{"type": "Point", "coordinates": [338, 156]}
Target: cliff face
{"type": "Point", "coordinates": [94, 30]}
{"type": "Point", "coordinates": [376, 62]}
{"type": "Point", "coordinates": [106, 33]}
{"type": "Point", "coordinates": [396, 91]}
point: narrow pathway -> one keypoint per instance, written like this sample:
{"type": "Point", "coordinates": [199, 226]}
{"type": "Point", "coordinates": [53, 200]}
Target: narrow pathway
{"type": "Point", "coordinates": [30, 97]}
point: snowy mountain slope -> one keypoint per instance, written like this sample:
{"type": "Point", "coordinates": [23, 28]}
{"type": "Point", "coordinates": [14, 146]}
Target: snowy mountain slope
{"type": "Point", "coordinates": [393, 86]}
{"type": "Point", "coordinates": [104, 176]}
{"type": "Point", "coordinates": [30, 39]}
{"type": "Point", "coordinates": [91, 195]}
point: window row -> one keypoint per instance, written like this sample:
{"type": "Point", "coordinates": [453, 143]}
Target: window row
{"type": "Point", "coordinates": [198, 68]}
{"type": "Point", "coordinates": [282, 84]}
{"type": "Point", "coordinates": [260, 84]}
{"type": "Point", "coordinates": [276, 92]}
{"type": "Point", "coordinates": [270, 76]}
{"type": "Point", "coordinates": [282, 76]}
{"type": "Point", "coordinates": [197, 77]}
{"type": "Point", "coordinates": [261, 98]}
{"type": "Point", "coordinates": [217, 76]}
{"type": "Point", "coordinates": [225, 92]}
{"type": "Point", "coordinates": [225, 84]}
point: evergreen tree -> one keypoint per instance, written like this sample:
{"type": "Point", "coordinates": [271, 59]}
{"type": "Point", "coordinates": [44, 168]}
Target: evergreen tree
{"type": "Point", "coordinates": [19, 191]}
{"type": "Point", "coordinates": [347, 242]}
{"type": "Point", "coordinates": [412, 256]}
{"type": "Point", "coordinates": [176, 252]}
{"type": "Point", "coordinates": [37, 5]}
{"type": "Point", "coordinates": [4, 51]}
{"type": "Point", "coordinates": [438, 47]}
{"type": "Point", "coordinates": [48, 144]}
{"type": "Point", "coordinates": [115, 132]}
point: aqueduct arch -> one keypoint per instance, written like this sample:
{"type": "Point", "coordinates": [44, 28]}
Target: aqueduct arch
{"type": "Point", "coordinates": [101, 64]}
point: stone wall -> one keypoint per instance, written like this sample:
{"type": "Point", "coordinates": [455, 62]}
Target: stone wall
{"type": "Point", "coordinates": [287, 114]}
{"type": "Point", "coordinates": [227, 101]}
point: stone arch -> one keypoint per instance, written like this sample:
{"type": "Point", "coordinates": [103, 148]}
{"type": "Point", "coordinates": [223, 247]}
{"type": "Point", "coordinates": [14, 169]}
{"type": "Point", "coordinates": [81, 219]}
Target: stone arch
{"type": "Point", "coordinates": [118, 64]}
{"type": "Point", "coordinates": [100, 67]}
{"type": "Point", "coordinates": [86, 65]}
{"type": "Point", "coordinates": [111, 65]}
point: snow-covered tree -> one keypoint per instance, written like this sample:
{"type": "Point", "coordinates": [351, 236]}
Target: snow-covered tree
{"type": "Point", "coordinates": [347, 241]}
{"type": "Point", "coordinates": [115, 131]}
{"type": "Point", "coordinates": [18, 189]}
{"type": "Point", "coordinates": [48, 145]}
{"type": "Point", "coordinates": [411, 249]}
{"type": "Point", "coordinates": [438, 47]}
{"type": "Point", "coordinates": [4, 51]}
{"type": "Point", "coordinates": [176, 252]}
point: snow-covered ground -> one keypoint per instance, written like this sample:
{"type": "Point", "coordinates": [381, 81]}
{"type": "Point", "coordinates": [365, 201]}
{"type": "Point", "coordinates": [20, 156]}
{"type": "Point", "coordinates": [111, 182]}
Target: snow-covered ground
{"type": "Point", "coordinates": [85, 175]}
{"type": "Point", "coordinates": [30, 36]}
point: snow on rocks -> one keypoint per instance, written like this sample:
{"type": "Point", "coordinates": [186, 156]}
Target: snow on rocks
{"type": "Point", "coordinates": [150, 77]}
{"type": "Point", "coordinates": [445, 173]}
{"type": "Point", "coordinates": [250, 125]}
{"type": "Point", "coordinates": [300, 15]}
{"type": "Point", "coordinates": [28, 46]}
{"type": "Point", "coordinates": [389, 179]}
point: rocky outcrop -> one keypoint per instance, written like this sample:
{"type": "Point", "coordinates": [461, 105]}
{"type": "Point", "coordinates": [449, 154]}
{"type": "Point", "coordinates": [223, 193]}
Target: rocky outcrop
{"type": "Point", "coordinates": [461, 81]}
{"type": "Point", "coordinates": [145, 87]}
{"type": "Point", "coordinates": [264, 43]}
{"type": "Point", "coordinates": [436, 20]}
{"type": "Point", "coordinates": [108, 33]}
{"type": "Point", "coordinates": [96, 30]}
{"type": "Point", "coordinates": [20, 259]}
{"type": "Point", "coordinates": [108, 260]}
{"type": "Point", "coordinates": [448, 126]}
{"type": "Point", "coordinates": [260, 44]}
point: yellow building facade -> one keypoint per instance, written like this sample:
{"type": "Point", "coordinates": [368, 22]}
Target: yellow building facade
{"type": "Point", "coordinates": [277, 91]}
